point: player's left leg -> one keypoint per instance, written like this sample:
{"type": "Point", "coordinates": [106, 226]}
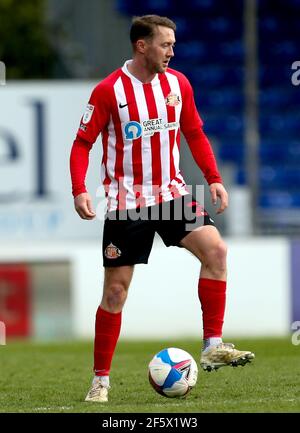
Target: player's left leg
{"type": "Point", "coordinates": [207, 245]}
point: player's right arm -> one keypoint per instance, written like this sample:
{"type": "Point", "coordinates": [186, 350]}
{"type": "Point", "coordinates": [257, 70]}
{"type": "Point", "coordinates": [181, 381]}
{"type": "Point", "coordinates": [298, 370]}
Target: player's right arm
{"type": "Point", "coordinates": [94, 120]}
{"type": "Point", "coordinates": [79, 161]}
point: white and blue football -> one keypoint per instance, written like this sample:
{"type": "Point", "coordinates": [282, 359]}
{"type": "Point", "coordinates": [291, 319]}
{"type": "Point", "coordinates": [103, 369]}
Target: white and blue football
{"type": "Point", "coordinates": [173, 372]}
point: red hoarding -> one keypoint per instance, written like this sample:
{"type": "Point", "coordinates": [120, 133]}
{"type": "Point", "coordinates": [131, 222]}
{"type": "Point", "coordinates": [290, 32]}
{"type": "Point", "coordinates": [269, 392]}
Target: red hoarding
{"type": "Point", "coordinates": [15, 299]}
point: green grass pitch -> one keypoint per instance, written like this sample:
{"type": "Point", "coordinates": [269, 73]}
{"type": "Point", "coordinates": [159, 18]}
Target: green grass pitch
{"type": "Point", "coordinates": [55, 377]}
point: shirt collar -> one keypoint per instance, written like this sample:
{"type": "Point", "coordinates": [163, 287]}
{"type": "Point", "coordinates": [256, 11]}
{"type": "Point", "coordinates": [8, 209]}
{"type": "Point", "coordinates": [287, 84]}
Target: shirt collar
{"type": "Point", "coordinates": [133, 78]}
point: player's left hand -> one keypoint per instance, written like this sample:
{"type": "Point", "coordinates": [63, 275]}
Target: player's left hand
{"type": "Point", "coordinates": [217, 190]}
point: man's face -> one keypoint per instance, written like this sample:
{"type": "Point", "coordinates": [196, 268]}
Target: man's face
{"type": "Point", "coordinates": [159, 50]}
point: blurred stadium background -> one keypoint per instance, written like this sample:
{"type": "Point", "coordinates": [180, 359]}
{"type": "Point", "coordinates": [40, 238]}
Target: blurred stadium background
{"type": "Point", "coordinates": [238, 55]}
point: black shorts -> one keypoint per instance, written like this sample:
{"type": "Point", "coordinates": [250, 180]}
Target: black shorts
{"type": "Point", "coordinates": [128, 235]}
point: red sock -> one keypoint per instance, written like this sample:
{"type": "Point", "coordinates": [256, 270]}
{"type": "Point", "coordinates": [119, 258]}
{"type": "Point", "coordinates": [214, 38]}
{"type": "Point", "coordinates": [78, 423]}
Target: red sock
{"type": "Point", "coordinates": [107, 331]}
{"type": "Point", "coordinates": [212, 295]}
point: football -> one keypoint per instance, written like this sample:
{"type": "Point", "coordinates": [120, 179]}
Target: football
{"type": "Point", "coordinates": [173, 372]}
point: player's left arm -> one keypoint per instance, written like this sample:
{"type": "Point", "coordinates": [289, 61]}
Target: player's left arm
{"type": "Point", "coordinates": [191, 126]}
{"type": "Point", "coordinates": [217, 190]}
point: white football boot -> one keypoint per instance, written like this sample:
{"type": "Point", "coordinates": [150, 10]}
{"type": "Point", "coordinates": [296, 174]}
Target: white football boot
{"type": "Point", "coordinates": [98, 393]}
{"type": "Point", "coordinates": [222, 355]}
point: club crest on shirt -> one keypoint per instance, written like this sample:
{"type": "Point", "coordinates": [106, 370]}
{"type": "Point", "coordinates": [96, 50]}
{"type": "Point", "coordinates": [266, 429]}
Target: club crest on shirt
{"type": "Point", "coordinates": [172, 100]}
{"type": "Point", "coordinates": [88, 113]}
{"type": "Point", "coordinates": [112, 252]}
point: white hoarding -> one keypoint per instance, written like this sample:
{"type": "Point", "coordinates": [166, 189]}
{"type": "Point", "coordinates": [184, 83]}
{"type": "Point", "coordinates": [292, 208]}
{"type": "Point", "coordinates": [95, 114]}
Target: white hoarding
{"type": "Point", "coordinates": [38, 124]}
{"type": "Point", "coordinates": [163, 296]}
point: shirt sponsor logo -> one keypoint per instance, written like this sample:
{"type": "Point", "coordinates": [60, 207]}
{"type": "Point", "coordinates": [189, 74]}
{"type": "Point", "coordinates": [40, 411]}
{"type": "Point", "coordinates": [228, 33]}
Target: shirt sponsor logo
{"type": "Point", "coordinates": [112, 252]}
{"type": "Point", "coordinates": [83, 127]}
{"type": "Point", "coordinates": [172, 100]}
{"type": "Point", "coordinates": [132, 130]}
{"type": "Point", "coordinates": [147, 128]}
{"type": "Point", "coordinates": [88, 113]}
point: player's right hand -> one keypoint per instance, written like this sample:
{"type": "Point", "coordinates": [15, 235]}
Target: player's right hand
{"type": "Point", "coordinates": [83, 206]}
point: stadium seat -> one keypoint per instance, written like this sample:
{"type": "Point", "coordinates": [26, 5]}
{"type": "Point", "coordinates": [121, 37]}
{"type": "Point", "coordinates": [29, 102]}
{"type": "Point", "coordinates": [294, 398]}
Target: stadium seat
{"type": "Point", "coordinates": [210, 52]}
{"type": "Point", "coordinates": [279, 199]}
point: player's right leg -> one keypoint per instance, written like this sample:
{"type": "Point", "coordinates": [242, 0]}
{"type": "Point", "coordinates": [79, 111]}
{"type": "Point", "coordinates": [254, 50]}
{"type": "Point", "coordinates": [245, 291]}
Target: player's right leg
{"type": "Point", "coordinates": [126, 242]}
{"type": "Point", "coordinates": [107, 328]}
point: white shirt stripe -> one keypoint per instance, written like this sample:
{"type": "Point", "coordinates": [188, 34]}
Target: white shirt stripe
{"type": "Point", "coordinates": [146, 145]}
{"type": "Point", "coordinates": [127, 158]}
{"type": "Point", "coordinates": [111, 160]}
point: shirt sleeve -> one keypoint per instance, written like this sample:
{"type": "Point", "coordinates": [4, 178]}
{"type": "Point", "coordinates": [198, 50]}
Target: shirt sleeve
{"type": "Point", "coordinates": [79, 162]}
{"type": "Point", "coordinates": [191, 125]}
{"type": "Point", "coordinates": [93, 121]}
{"type": "Point", "coordinates": [97, 114]}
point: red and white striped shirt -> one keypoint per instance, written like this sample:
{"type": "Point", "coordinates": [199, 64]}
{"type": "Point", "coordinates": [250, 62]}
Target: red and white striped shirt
{"type": "Point", "coordinates": [140, 125]}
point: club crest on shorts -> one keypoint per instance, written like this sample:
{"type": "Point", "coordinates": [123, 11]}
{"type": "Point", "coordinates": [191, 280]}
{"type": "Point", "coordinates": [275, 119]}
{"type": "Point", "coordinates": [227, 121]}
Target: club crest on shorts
{"type": "Point", "coordinates": [172, 100]}
{"type": "Point", "coordinates": [112, 252]}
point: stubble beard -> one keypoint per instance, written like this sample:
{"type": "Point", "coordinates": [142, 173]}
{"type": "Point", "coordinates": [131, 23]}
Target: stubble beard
{"type": "Point", "coordinates": [155, 68]}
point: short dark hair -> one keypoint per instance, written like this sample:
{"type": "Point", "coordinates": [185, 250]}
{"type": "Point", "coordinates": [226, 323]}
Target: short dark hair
{"type": "Point", "coordinates": [144, 27]}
